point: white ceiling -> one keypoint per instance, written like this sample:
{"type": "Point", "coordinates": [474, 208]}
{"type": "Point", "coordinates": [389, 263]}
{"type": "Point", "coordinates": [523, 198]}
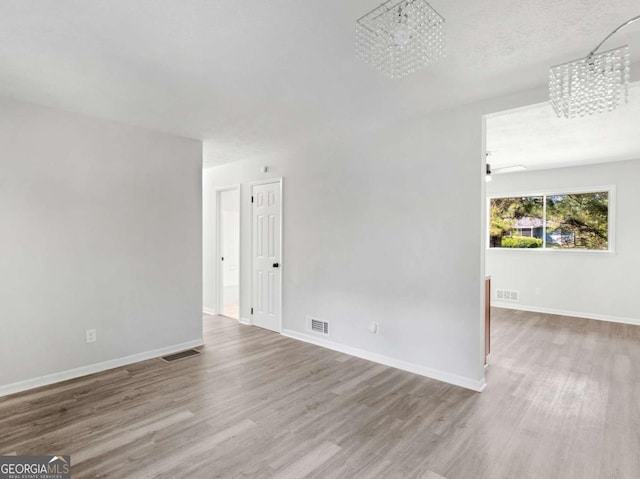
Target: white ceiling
{"type": "Point", "coordinates": [254, 77]}
{"type": "Point", "coordinates": [536, 138]}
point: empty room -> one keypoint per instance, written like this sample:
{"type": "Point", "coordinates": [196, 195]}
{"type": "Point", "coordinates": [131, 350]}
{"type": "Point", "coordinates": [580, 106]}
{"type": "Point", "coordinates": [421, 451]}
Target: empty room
{"type": "Point", "coordinates": [319, 239]}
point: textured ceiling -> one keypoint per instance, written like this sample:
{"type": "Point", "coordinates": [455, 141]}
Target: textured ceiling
{"type": "Point", "coordinates": [536, 138]}
{"type": "Point", "coordinates": [254, 77]}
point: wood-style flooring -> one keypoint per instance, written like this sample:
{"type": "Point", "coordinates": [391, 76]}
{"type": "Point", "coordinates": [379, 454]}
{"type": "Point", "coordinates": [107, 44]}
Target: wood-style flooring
{"type": "Point", "coordinates": [562, 401]}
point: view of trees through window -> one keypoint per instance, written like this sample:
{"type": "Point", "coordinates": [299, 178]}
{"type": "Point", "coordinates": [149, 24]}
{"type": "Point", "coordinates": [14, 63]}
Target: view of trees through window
{"type": "Point", "coordinates": [562, 221]}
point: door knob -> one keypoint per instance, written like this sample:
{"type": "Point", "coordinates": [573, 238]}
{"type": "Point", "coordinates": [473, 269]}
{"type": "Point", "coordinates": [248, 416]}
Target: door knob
{"type": "Point", "coordinates": [276, 265]}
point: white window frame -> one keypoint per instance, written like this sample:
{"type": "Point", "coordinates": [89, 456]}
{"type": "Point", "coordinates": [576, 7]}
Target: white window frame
{"type": "Point", "coordinates": [610, 189]}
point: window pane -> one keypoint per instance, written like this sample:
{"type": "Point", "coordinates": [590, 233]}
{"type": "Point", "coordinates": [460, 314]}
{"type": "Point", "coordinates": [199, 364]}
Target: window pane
{"type": "Point", "coordinates": [517, 222]}
{"type": "Point", "coordinates": [578, 221]}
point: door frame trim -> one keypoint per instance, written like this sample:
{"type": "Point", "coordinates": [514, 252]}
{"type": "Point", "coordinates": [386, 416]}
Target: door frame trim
{"type": "Point", "coordinates": [218, 239]}
{"type": "Point", "coordinates": [253, 184]}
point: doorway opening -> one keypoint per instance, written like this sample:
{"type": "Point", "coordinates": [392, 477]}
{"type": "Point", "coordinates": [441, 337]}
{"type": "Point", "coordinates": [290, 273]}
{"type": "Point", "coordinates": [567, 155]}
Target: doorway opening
{"type": "Point", "coordinates": [228, 212]}
{"type": "Point", "coordinates": [554, 235]}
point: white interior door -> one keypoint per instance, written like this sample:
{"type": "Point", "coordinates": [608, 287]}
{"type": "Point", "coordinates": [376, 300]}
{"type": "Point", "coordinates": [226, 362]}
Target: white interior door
{"type": "Point", "coordinates": [266, 256]}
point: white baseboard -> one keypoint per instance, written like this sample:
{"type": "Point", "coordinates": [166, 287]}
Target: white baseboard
{"type": "Point", "coordinates": [560, 312]}
{"type": "Point", "coordinates": [245, 321]}
{"type": "Point", "coordinates": [209, 311]}
{"type": "Point", "coordinates": [95, 368]}
{"type": "Point", "coordinates": [468, 383]}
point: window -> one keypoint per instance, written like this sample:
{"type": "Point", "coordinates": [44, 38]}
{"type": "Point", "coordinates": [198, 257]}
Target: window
{"type": "Point", "coordinates": [554, 221]}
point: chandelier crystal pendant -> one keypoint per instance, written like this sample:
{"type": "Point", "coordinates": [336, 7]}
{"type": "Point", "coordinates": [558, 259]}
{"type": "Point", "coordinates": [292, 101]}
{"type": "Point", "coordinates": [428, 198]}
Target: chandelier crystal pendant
{"type": "Point", "coordinates": [400, 37]}
{"type": "Point", "coordinates": [593, 84]}
{"type": "Point", "coordinates": [596, 83]}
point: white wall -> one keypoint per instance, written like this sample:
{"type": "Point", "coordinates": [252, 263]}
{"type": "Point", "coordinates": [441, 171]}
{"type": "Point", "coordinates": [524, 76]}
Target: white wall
{"type": "Point", "coordinates": [383, 226]}
{"type": "Point", "coordinates": [100, 227]}
{"type": "Point", "coordinates": [598, 285]}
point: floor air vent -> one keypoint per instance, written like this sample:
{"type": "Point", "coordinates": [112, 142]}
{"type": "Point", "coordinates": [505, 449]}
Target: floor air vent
{"type": "Point", "coordinates": [178, 356]}
{"type": "Point", "coordinates": [506, 295]}
{"type": "Point", "coordinates": [318, 326]}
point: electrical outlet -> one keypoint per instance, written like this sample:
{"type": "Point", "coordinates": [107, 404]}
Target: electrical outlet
{"type": "Point", "coordinates": [91, 336]}
{"type": "Point", "coordinates": [538, 291]}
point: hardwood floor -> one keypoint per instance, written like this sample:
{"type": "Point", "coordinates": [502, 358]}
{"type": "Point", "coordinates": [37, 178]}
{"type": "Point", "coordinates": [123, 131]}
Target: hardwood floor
{"type": "Point", "coordinates": [562, 401]}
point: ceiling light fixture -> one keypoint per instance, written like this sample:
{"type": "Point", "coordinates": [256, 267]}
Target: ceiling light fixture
{"type": "Point", "coordinates": [400, 37]}
{"type": "Point", "coordinates": [596, 83]}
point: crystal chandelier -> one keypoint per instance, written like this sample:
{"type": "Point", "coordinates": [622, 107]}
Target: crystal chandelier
{"type": "Point", "coordinates": [596, 83]}
{"type": "Point", "coordinates": [400, 37]}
